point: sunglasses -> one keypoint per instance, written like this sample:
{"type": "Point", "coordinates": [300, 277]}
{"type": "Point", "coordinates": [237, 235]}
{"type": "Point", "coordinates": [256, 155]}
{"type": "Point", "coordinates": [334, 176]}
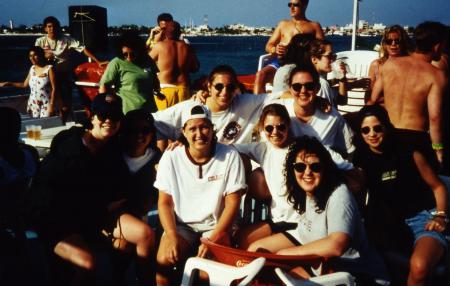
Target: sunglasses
{"type": "Point", "coordinates": [280, 127]}
{"type": "Point", "coordinates": [301, 167]}
{"type": "Point", "coordinates": [128, 55]}
{"type": "Point", "coordinates": [377, 129]}
{"type": "Point", "coordinates": [331, 57]}
{"type": "Point", "coordinates": [392, 41]}
{"type": "Point", "coordinates": [113, 116]}
{"type": "Point", "coordinates": [298, 86]}
{"type": "Point", "coordinates": [297, 5]}
{"type": "Point", "coordinates": [220, 86]}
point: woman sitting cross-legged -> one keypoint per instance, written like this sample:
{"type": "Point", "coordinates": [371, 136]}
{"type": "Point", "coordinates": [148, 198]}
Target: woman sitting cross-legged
{"type": "Point", "coordinates": [407, 206]}
{"type": "Point", "coordinates": [200, 187]}
{"type": "Point", "coordinates": [80, 192]}
{"type": "Point", "coordinates": [329, 224]}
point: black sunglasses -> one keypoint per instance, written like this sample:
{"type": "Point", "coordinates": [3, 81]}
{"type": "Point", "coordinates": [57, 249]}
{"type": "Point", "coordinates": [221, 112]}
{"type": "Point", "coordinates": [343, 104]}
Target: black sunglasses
{"type": "Point", "coordinates": [301, 167]}
{"type": "Point", "coordinates": [128, 55]}
{"type": "Point", "coordinates": [298, 86]}
{"type": "Point", "coordinates": [392, 41]}
{"type": "Point", "coordinates": [113, 116]}
{"type": "Point", "coordinates": [220, 86]}
{"type": "Point", "coordinates": [280, 127]}
{"type": "Point", "coordinates": [298, 5]}
{"type": "Point", "coordinates": [377, 129]}
{"type": "Point", "coordinates": [331, 56]}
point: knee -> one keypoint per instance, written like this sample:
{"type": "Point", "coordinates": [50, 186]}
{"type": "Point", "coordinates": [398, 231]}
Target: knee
{"type": "Point", "coordinates": [146, 233]}
{"type": "Point", "coordinates": [163, 261]}
{"type": "Point", "coordinates": [254, 246]}
{"type": "Point", "coordinates": [419, 268]}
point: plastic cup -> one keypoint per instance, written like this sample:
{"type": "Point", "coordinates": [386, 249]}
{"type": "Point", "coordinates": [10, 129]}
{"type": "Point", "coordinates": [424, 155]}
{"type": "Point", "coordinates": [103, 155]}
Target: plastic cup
{"type": "Point", "coordinates": [37, 132]}
{"type": "Point", "coordinates": [30, 131]}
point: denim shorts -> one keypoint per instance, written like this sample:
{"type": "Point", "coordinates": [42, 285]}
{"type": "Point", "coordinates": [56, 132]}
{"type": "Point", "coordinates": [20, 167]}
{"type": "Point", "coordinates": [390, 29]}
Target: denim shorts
{"type": "Point", "coordinates": [274, 63]}
{"type": "Point", "coordinates": [417, 225]}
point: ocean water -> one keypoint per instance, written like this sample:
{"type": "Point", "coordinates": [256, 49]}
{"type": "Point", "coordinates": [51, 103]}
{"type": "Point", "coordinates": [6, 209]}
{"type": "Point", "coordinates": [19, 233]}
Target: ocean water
{"type": "Point", "coordinates": [241, 52]}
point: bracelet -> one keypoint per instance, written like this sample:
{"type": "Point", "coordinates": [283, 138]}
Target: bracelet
{"type": "Point", "coordinates": [439, 213]}
{"type": "Point", "coordinates": [437, 146]}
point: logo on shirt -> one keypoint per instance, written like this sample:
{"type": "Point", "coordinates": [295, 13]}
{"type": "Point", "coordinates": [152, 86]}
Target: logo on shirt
{"type": "Point", "coordinates": [215, 178]}
{"type": "Point", "coordinates": [231, 131]}
{"type": "Point", "coordinates": [389, 175]}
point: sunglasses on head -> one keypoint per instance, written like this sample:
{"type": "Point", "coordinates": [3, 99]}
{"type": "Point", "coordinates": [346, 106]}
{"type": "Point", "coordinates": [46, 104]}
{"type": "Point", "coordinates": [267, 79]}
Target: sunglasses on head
{"type": "Point", "coordinates": [301, 167]}
{"type": "Point", "coordinates": [280, 127]}
{"type": "Point", "coordinates": [220, 86]}
{"type": "Point", "coordinates": [298, 86]}
{"type": "Point", "coordinates": [114, 116]}
{"type": "Point", "coordinates": [392, 41]}
{"type": "Point", "coordinates": [298, 5]}
{"type": "Point", "coordinates": [377, 129]}
{"type": "Point", "coordinates": [331, 57]}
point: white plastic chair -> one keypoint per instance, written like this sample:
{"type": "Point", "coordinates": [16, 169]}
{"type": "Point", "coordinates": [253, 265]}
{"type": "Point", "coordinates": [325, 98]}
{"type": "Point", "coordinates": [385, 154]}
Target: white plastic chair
{"type": "Point", "coordinates": [333, 279]}
{"type": "Point", "coordinates": [221, 274]}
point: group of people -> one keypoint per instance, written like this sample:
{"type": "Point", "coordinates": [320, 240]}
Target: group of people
{"type": "Point", "coordinates": [148, 144]}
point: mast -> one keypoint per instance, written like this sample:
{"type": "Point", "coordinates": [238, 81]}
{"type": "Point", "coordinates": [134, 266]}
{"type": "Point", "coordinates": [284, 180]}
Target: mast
{"type": "Point", "coordinates": [355, 22]}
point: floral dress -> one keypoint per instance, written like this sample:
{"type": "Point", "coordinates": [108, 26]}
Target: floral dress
{"type": "Point", "coordinates": [40, 92]}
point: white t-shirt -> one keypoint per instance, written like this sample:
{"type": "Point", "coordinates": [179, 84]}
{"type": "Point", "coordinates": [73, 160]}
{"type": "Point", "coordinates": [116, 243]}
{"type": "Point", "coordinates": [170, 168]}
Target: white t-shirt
{"type": "Point", "coordinates": [330, 128]}
{"type": "Point", "coordinates": [198, 192]}
{"type": "Point", "coordinates": [341, 215]}
{"type": "Point", "coordinates": [272, 160]}
{"type": "Point", "coordinates": [327, 92]}
{"type": "Point", "coordinates": [234, 125]}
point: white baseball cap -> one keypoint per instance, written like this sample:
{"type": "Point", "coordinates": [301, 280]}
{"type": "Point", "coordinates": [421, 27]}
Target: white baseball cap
{"type": "Point", "coordinates": [194, 110]}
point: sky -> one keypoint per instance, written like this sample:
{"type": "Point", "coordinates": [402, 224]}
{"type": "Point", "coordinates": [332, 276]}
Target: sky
{"type": "Point", "coordinates": [224, 12]}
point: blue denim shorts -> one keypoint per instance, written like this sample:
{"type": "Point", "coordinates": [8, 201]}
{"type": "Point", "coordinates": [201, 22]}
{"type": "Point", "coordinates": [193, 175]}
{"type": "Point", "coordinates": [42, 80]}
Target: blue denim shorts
{"type": "Point", "coordinates": [417, 225]}
{"type": "Point", "coordinates": [274, 63]}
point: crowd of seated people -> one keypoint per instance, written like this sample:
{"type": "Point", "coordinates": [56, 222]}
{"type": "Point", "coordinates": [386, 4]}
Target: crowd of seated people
{"type": "Point", "coordinates": [191, 161]}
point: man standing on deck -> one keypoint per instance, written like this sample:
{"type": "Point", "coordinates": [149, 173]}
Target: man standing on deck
{"type": "Point", "coordinates": [57, 48]}
{"type": "Point", "coordinates": [277, 44]}
{"type": "Point", "coordinates": [175, 60]}
{"type": "Point", "coordinates": [413, 92]}
{"type": "Point", "coordinates": [157, 33]}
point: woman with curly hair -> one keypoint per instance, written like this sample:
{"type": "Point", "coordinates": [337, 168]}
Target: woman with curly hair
{"type": "Point", "coordinates": [329, 223]}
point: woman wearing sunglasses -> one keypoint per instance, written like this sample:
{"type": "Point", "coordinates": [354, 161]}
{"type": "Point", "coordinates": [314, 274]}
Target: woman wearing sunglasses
{"type": "Point", "coordinates": [234, 115]}
{"type": "Point", "coordinates": [395, 43]}
{"type": "Point", "coordinates": [267, 183]}
{"type": "Point", "coordinates": [306, 116]}
{"type": "Point", "coordinates": [80, 196]}
{"type": "Point", "coordinates": [132, 74]}
{"type": "Point", "coordinates": [329, 224]}
{"type": "Point", "coordinates": [407, 206]}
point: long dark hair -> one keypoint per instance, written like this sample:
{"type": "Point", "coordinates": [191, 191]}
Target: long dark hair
{"type": "Point", "coordinates": [331, 177]}
{"type": "Point", "coordinates": [298, 49]}
{"type": "Point", "coordinates": [381, 114]}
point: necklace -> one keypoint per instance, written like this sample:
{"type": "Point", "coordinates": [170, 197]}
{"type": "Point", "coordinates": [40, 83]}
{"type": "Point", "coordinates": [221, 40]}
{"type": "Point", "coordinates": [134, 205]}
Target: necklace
{"type": "Point", "coordinates": [298, 27]}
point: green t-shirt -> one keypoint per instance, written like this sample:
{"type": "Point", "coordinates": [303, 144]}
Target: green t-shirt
{"type": "Point", "coordinates": [134, 84]}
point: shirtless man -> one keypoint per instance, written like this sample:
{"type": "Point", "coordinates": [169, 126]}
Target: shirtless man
{"type": "Point", "coordinates": [413, 91]}
{"type": "Point", "coordinates": [286, 29]}
{"type": "Point", "coordinates": [175, 60]}
{"type": "Point", "coordinates": [157, 33]}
